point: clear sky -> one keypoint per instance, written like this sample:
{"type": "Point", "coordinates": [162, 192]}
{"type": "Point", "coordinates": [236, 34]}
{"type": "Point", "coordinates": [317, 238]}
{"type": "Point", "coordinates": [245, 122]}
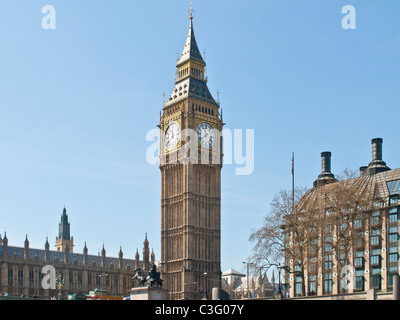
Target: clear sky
{"type": "Point", "coordinates": [77, 102]}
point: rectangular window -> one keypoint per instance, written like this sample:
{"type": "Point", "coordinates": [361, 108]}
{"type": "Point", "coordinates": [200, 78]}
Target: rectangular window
{"type": "Point", "coordinates": [298, 286]}
{"type": "Point", "coordinates": [390, 279]}
{"type": "Point", "coordinates": [358, 262]}
{"type": "Point", "coordinates": [10, 277]}
{"type": "Point", "coordinates": [393, 237]}
{"type": "Point", "coordinates": [40, 279]}
{"type": "Point", "coordinates": [312, 285]}
{"type": "Point", "coordinates": [89, 279]}
{"type": "Point", "coordinates": [357, 223]}
{"type": "Point", "coordinates": [79, 281]}
{"type": "Point", "coordinates": [393, 258]}
{"type": "Point", "coordinates": [375, 260]}
{"type": "Point", "coordinates": [359, 283]}
{"type": "Point", "coordinates": [394, 200]}
{"type": "Point", "coordinates": [375, 241]}
{"type": "Point", "coordinates": [375, 232]}
{"type": "Point", "coordinates": [31, 282]}
{"type": "Point", "coordinates": [393, 217]}
{"type": "Point", "coordinates": [20, 277]}
{"type": "Point", "coordinates": [375, 218]}
{"type": "Point", "coordinates": [71, 280]}
{"type": "Point", "coordinates": [393, 187]}
{"type": "Point", "coordinates": [328, 283]}
{"type": "Point", "coordinates": [359, 254]}
{"type": "Point", "coordinates": [393, 229]}
{"type": "Point", "coordinates": [393, 249]}
{"type": "Point", "coordinates": [376, 281]}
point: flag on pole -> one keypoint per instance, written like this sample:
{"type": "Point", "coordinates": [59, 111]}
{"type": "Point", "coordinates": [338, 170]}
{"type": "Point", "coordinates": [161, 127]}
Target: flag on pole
{"type": "Point", "coordinates": [292, 163]}
{"type": "Point", "coordinates": [292, 181]}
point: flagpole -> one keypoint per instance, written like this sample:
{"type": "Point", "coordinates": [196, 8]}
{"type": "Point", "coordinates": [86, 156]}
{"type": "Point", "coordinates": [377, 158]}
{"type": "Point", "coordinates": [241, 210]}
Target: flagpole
{"type": "Point", "coordinates": [292, 181]}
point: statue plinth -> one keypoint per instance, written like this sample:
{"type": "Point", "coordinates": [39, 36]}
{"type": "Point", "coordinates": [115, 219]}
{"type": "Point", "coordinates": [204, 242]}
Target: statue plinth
{"type": "Point", "coordinates": [148, 293]}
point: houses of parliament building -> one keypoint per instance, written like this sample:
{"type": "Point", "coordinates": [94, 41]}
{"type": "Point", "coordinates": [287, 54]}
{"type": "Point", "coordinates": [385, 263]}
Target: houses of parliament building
{"type": "Point", "coordinates": [190, 261]}
{"type": "Point", "coordinates": [21, 267]}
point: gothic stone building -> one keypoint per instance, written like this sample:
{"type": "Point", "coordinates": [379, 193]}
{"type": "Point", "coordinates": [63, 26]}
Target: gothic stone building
{"type": "Point", "coordinates": [374, 257]}
{"type": "Point", "coordinates": [190, 186]}
{"type": "Point", "coordinates": [21, 267]}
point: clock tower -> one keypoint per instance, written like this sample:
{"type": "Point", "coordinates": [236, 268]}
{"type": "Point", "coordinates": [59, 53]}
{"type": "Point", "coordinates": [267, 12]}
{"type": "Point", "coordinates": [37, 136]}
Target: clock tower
{"type": "Point", "coordinates": [190, 164]}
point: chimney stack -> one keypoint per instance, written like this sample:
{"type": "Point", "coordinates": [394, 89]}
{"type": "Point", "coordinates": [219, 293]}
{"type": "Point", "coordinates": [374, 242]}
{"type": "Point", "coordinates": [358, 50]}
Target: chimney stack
{"type": "Point", "coordinates": [377, 164]}
{"type": "Point", "coordinates": [326, 175]}
{"type": "Point", "coordinates": [377, 149]}
{"type": "Point", "coordinates": [326, 162]}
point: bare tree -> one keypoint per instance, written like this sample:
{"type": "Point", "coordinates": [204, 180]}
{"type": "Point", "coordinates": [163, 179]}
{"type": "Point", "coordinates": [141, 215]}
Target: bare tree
{"type": "Point", "coordinates": [346, 204]}
{"type": "Point", "coordinates": [347, 174]}
{"type": "Point", "coordinates": [271, 241]}
{"type": "Point", "coordinates": [326, 220]}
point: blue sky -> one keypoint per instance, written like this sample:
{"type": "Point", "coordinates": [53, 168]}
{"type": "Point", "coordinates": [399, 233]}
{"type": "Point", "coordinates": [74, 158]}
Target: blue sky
{"type": "Point", "coordinates": [77, 102]}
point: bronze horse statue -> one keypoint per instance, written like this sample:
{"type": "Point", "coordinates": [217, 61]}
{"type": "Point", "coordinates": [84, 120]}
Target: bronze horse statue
{"type": "Point", "coordinates": [140, 277]}
{"type": "Point", "coordinates": [152, 280]}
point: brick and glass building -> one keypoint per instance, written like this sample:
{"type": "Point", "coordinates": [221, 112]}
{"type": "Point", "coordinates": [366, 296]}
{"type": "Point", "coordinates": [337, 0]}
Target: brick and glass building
{"type": "Point", "coordinates": [373, 256]}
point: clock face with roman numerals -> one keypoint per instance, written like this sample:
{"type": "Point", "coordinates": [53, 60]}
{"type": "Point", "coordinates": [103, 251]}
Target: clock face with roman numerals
{"type": "Point", "coordinates": [206, 135]}
{"type": "Point", "coordinates": [172, 135]}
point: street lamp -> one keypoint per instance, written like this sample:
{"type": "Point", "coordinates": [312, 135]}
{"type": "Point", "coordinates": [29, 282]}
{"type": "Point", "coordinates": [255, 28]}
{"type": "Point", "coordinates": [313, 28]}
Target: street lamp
{"type": "Point", "coordinates": [248, 265]}
{"type": "Point", "coordinates": [279, 285]}
{"type": "Point", "coordinates": [101, 290]}
{"type": "Point", "coordinates": [205, 275]}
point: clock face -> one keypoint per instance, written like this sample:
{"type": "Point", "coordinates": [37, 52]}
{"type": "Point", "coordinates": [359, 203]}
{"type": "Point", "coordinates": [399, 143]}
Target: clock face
{"type": "Point", "coordinates": [206, 135]}
{"type": "Point", "coordinates": [172, 135]}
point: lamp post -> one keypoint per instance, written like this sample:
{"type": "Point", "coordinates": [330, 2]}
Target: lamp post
{"type": "Point", "coordinates": [101, 290]}
{"type": "Point", "coordinates": [60, 284]}
{"type": "Point", "coordinates": [206, 293]}
{"type": "Point", "coordinates": [248, 265]}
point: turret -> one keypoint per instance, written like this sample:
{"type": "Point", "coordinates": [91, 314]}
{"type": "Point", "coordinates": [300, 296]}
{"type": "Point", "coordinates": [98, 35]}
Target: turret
{"type": "Point", "coordinates": [146, 254]}
{"type": "Point", "coordinates": [103, 257]}
{"type": "Point", "coordinates": [47, 250]}
{"type": "Point", "coordinates": [85, 255]}
{"type": "Point", "coordinates": [26, 248]}
{"type": "Point", "coordinates": [137, 259]}
{"type": "Point", "coordinates": [120, 259]}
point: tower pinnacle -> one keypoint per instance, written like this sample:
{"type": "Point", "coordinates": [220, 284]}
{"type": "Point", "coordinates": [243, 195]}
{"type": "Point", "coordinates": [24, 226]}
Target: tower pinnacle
{"type": "Point", "coordinates": [191, 11]}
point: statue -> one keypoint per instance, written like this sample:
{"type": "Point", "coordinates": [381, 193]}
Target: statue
{"type": "Point", "coordinates": [151, 281]}
{"type": "Point", "coordinates": [140, 277]}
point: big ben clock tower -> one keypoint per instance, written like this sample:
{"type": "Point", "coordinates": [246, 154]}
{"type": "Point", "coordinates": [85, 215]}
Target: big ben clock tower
{"type": "Point", "coordinates": [190, 163]}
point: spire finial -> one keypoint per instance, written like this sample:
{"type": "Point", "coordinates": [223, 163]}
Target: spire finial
{"type": "Point", "coordinates": [191, 11]}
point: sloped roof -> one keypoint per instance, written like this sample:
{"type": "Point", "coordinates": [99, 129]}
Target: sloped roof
{"type": "Point", "coordinates": [191, 50]}
{"type": "Point", "coordinates": [232, 272]}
